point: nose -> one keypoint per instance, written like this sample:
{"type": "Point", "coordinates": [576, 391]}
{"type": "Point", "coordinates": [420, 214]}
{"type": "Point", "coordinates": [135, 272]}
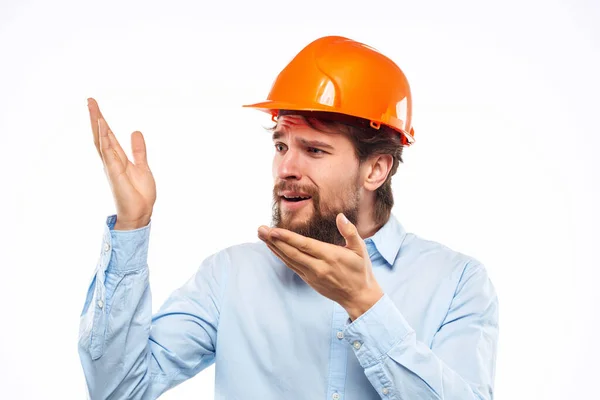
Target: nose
{"type": "Point", "coordinates": [288, 165]}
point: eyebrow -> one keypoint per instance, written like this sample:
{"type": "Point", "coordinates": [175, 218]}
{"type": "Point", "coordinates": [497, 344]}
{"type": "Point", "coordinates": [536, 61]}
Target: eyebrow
{"type": "Point", "coordinates": [307, 143]}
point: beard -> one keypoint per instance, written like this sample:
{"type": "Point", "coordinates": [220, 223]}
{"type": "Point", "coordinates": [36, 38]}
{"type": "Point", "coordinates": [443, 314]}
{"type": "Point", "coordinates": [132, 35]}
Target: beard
{"type": "Point", "coordinates": [321, 225]}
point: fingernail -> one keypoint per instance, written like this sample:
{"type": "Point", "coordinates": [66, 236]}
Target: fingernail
{"type": "Point", "coordinates": [344, 219]}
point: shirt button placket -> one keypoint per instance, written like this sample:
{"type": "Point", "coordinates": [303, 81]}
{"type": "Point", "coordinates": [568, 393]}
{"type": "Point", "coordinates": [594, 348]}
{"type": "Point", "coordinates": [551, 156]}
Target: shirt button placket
{"type": "Point", "coordinates": [336, 382]}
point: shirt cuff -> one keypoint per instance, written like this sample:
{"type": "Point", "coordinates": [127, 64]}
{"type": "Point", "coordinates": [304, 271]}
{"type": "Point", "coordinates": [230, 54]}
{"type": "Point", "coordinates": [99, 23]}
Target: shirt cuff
{"type": "Point", "coordinates": [125, 250]}
{"type": "Point", "coordinates": [377, 331]}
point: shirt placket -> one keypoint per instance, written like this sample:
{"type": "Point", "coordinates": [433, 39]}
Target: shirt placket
{"type": "Point", "coordinates": [338, 355]}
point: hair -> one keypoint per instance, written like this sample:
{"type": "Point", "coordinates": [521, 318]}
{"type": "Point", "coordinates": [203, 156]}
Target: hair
{"type": "Point", "coordinates": [367, 142]}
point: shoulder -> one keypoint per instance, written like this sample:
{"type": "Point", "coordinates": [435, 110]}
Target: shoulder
{"type": "Point", "coordinates": [232, 262]}
{"type": "Point", "coordinates": [245, 251]}
{"type": "Point", "coordinates": [435, 257]}
{"type": "Point", "coordinates": [240, 255]}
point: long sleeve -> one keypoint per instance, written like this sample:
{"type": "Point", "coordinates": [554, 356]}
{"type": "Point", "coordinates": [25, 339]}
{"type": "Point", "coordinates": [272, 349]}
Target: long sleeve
{"type": "Point", "coordinates": [124, 350]}
{"type": "Point", "coordinates": [460, 364]}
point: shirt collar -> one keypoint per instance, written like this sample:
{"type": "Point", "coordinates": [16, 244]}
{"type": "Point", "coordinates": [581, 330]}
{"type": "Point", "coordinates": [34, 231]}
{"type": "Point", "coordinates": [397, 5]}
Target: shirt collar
{"type": "Point", "coordinates": [387, 240]}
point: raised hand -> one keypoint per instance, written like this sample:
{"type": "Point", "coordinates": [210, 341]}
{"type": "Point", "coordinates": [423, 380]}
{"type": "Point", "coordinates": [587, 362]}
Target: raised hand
{"type": "Point", "coordinates": [132, 184]}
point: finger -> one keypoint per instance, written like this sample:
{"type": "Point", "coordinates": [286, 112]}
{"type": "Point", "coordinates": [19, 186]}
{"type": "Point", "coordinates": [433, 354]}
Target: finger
{"type": "Point", "coordinates": [350, 233]}
{"type": "Point", "coordinates": [115, 144]}
{"type": "Point", "coordinates": [111, 159]}
{"type": "Point", "coordinates": [94, 122]}
{"type": "Point", "coordinates": [138, 149]}
{"type": "Point", "coordinates": [95, 115]}
{"type": "Point", "coordinates": [283, 258]}
{"type": "Point", "coordinates": [304, 261]}
{"type": "Point", "coordinates": [304, 244]}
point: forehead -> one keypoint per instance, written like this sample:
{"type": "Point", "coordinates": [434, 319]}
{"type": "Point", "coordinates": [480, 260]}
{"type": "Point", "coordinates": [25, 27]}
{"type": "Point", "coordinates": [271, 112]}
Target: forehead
{"type": "Point", "coordinates": [296, 123]}
{"type": "Point", "coordinates": [287, 122]}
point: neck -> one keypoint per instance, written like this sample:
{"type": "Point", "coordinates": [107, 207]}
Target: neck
{"type": "Point", "coordinates": [366, 225]}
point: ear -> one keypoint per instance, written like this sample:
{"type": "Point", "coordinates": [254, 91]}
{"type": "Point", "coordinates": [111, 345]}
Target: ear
{"type": "Point", "coordinates": [376, 170]}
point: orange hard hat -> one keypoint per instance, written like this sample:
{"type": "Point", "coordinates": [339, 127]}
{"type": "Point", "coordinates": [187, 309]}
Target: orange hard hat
{"type": "Point", "coordinates": [340, 75]}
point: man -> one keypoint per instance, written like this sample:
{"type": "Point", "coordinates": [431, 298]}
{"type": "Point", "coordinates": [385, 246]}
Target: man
{"type": "Point", "coordinates": [336, 300]}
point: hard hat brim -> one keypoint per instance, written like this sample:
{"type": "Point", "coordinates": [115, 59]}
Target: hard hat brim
{"type": "Point", "coordinates": [272, 106]}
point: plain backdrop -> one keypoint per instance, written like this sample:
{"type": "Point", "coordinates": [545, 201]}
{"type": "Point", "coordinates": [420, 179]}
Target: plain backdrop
{"type": "Point", "coordinates": [504, 168]}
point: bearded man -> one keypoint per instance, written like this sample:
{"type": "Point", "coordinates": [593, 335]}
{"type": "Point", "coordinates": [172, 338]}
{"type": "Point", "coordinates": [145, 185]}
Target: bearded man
{"type": "Point", "coordinates": [335, 301]}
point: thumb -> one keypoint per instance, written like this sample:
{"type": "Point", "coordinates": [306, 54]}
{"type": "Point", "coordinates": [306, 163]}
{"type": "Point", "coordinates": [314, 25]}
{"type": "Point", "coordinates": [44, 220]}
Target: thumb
{"type": "Point", "coordinates": [350, 233]}
{"type": "Point", "coordinates": [138, 149]}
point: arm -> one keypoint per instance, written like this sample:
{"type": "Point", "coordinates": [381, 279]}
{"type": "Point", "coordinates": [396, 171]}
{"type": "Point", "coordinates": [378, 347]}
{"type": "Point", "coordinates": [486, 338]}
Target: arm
{"type": "Point", "coordinates": [124, 350]}
{"type": "Point", "coordinates": [461, 361]}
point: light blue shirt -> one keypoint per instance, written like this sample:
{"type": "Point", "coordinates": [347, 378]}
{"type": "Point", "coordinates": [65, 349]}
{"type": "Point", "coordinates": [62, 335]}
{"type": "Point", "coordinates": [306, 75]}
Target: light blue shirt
{"type": "Point", "coordinates": [432, 335]}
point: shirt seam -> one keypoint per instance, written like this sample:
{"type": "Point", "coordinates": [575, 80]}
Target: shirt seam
{"type": "Point", "coordinates": [127, 271]}
{"type": "Point", "coordinates": [379, 360]}
{"type": "Point", "coordinates": [441, 324]}
{"type": "Point", "coordinates": [331, 348]}
{"type": "Point", "coordinates": [225, 279]}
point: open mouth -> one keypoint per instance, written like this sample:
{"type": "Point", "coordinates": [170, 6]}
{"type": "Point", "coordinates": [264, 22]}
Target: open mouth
{"type": "Point", "coordinates": [295, 199]}
{"type": "Point", "coordinates": [293, 203]}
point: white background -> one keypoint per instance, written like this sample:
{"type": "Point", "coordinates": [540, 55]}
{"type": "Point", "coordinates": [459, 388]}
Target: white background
{"type": "Point", "coordinates": [504, 169]}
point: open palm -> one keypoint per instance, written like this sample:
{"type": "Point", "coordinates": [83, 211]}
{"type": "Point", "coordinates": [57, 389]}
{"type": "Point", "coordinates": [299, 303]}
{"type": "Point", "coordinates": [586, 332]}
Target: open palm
{"type": "Point", "coordinates": [132, 184]}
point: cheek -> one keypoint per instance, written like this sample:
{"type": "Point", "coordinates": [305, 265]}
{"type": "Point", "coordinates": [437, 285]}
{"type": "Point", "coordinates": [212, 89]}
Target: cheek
{"type": "Point", "coordinates": [332, 190]}
{"type": "Point", "coordinates": [338, 188]}
{"type": "Point", "coordinates": [274, 167]}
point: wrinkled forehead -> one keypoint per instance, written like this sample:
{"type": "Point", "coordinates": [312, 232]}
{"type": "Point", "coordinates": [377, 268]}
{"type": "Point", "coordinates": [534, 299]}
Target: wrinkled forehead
{"type": "Point", "coordinates": [287, 122]}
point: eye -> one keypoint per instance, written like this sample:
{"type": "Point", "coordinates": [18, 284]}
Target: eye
{"type": "Point", "coordinates": [314, 150]}
{"type": "Point", "coordinates": [279, 147]}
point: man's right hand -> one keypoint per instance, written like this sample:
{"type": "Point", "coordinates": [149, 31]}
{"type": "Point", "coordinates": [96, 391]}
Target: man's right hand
{"type": "Point", "coordinates": [132, 184]}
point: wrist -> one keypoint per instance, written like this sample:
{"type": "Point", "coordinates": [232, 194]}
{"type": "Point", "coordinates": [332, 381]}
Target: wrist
{"type": "Point", "coordinates": [364, 302]}
{"type": "Point", "coordinates": [123, 225]}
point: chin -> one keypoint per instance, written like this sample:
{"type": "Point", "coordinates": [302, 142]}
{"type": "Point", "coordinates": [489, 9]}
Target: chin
{"type": "Point", "coordinates": [292, 222]}
{"type": "Point", "coordinates": [299, 217]}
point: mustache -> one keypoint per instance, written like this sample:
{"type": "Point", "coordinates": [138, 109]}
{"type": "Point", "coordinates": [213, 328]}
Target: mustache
{"type": "Point", "coordinates": [281, 186]}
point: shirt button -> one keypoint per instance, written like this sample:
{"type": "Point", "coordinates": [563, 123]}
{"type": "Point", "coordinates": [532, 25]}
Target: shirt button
{"type": "Point", "coordinates": [385, 391]}
{"type": "Point", "coordinates": [356, 345]}
{"type": "Point", "coordinates": [100, 303]}
{"type": "Point", "coordinates": [340, 335]}
{"type": "Point", "coordinates": [106, 247]}
{"type": "Point", "coordinates": [336, 396]}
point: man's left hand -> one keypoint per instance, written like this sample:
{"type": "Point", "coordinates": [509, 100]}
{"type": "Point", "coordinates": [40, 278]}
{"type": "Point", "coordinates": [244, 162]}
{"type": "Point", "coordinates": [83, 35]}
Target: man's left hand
{"type": "Point", "coordinates": [343, 274]}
